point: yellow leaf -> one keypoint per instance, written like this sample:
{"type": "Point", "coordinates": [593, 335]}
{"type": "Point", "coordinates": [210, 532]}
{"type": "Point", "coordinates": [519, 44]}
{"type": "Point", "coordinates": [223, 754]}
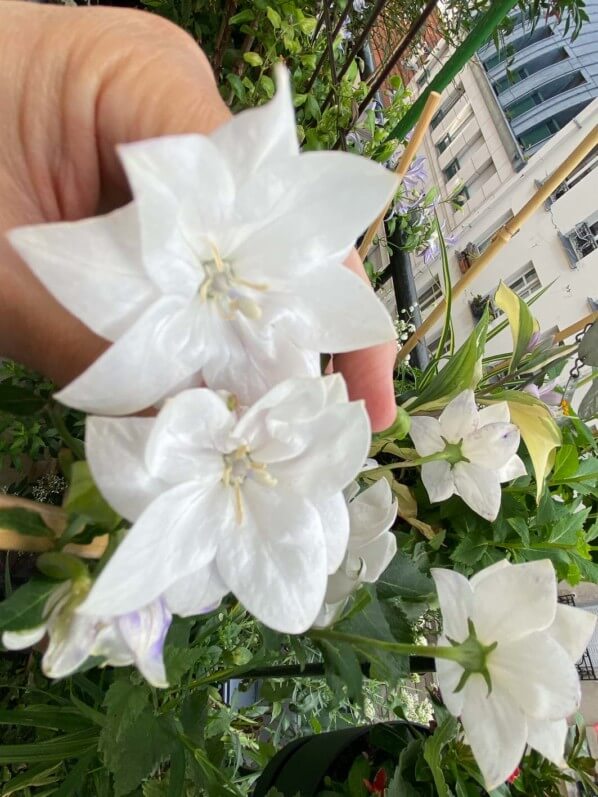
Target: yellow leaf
{"type": "Point", "coordinates": [521, 321]}
{"type": "Point", "coordinates": [540, 434]}
{"type": "Point", "coordinates": [407, 509]}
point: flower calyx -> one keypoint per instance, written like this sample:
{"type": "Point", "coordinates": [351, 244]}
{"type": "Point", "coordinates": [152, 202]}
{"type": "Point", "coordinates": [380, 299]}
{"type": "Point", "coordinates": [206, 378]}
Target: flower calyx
{"type": "Point", "coordinates": [472, 655]}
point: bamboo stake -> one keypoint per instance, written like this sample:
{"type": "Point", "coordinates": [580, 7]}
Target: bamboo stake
{"type": "Point", "coordinates": [576, 327]}
{"type": "Point", "coordinates": [504, 235]}
{"type": "Point", "coordinates": [403, 165]}
{"type": "Point", "coordinates": [56, 519]}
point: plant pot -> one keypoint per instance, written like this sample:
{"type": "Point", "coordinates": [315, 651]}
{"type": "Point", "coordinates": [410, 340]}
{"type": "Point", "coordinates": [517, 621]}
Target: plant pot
{"type": "Point", "coordinates": [300, 767]}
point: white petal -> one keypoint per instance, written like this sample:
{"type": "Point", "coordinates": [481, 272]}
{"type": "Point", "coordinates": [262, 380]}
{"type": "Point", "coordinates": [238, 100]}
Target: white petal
{"type": "Point", "coordinates": [377, 555]}
{"type": "Point", "coordinates": [494, 413]}
{"type": "Point", "coordinates": [92, 267]}
{"type": "Point", "coordinates": [478, 577]}
{"type": "Point", "coordinates": [177, 181]}
{"type": "Point", "coordinates": [548, 738]}
{"type": "Point", "coordinates": [371, 512]}
{"type": "Point", "coordinates": [115, 450]}
{"type": "Point", "coordinates": [426, 435]}
{"type": "Point", "coordinates": [514, 601]}
{"type": "Point", "coordinates": [455, 597]}
{"type": "Point", "coordinates": [17, 640]}
{"type": "Point", "coordinates": [188, 437]}
{"type": "Point", "coordinates": [257, 136]}
{"type": "Point", "coordinates": [340, 586]}
{"type": "Point", "coordinates": [460, 417]}
{"type": "Point", "coordinates": [539, 676]}
{"type": "Point", "coordinates": [197, 593]}
{"type": "Point", "coordinates": [448, 675]}
{"type": "Point", "coordinates": [573, 629]}
{"type": "Point", "coordinates": [479, 488]}
{"type": "Point", "coordinates": [70, 645]}
{"type": "Point", "coordinates": [495, 729]}
{"type": "Point", "coordinates": [513, 469]}
{"type": "Point", "coordinates": [334, 516]}
{"type": "Point", "coordinates": [110, 645]}
{"type": "Point", "coordinates": [160, 350]}
{"type": "Point", "coordinates": [304, 210]}
{"type": "Point", "coordinates": [337, 312]}
{"type": "Point", "coordinates": [176, 535]}
{"type": "Point", "coordinates": [438, 481]}
{"type": "Point", "coordinates": [336, 443]}
{"type": "Point", "coordinates": [145, 632]}
{"type": "Point", "coordinates": [274, 561]}
{"type": "Point", "coordinates": [491, 446]}
{"type": "Point", "coordinates": [329, 614]}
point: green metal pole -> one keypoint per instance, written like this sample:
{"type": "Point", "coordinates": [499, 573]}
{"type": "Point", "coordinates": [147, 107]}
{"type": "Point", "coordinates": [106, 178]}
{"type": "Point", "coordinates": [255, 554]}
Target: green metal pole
{"type": "Point", "coordinates": [476, 39]}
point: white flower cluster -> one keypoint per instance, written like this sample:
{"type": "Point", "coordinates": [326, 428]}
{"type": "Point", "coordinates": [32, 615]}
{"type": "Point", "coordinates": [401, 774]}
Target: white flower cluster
{"type": "Point", "coordinates": [218, 287]}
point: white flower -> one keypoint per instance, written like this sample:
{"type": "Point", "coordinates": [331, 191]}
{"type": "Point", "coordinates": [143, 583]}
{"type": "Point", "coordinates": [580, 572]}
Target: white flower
{"type": "Point", "coordinates": [370, 550]}
{"type": "Point", "coordinates": [226, 267]}
{"type": "Point", "coordinates": [534, 682]}
{"type": "Point", "coordinates": [488, 446]}
{"type": "Point", "coordinates": [222, 501]}
{"type": "Point", "coordinates": [134, 638]}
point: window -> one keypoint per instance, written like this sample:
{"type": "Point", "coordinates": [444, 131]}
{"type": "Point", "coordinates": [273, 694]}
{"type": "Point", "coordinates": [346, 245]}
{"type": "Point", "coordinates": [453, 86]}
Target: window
{"type": "Point", "coordinates": [445, 108]}
{"type": "Point", "coordinates": [526, 282]}
{"type": "Point", "coordinates": [461, 196]}
{"type": "Point", "coordinates": [530, 68]}
{"type": "Point", "coordinates": [588, 164]}
{"type": "Point", "coordinates": [523, 105]}
{"type": "Point", "coordinates": [552, 89]}
{"type": "Point", "coordinates": [452, 169]}
{"type": "Point", "coordinates": [521, 43]}
{"type": "Point", "coordinates": [545, 130]}
{"type": "Point", "coordinates": [430, 295]}
{"type": "Point", "coordinates": [443, 143]}
{"type": "Point", "coordinates": [583, 238]}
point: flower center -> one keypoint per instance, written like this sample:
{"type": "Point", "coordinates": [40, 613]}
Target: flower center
{"type": "Point", "coordinates": [453, 452]}
{"type": "Point", "coordinates": [230, 293]}
{"type": "Point", "coordinates": [238, 466]}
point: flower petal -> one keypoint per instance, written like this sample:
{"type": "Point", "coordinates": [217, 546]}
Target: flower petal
{"type": "Point", "coordinates": [538, 674]}
{"type": "Point", "coordinates": [339, 587]}
{"type": "Point", "coordinates": [512, 602]}
{"type": "Point", "coordinates": [513, 469]}
{"type": "Point", "coordinates": [257, 136]}
{"type": "Point", "coordinates": [274, 561]}
{"type": "Point", "coordinates": [335, 311]}
{"type": "Point", "coordinates": [17, 640]}
{"type": "Point", "coordinates": [494, 413]}
{"type": "Point", "coordinates": [377, 555]}
{"type": "Point", "coordinates": [573, 629]}
{"type": "Point", "coordinates": [145, 632]}
{"type": "Point", "coordinates": [438, 481]}
{"type": "Point", "coordinates": [160, 350]}
{"type": "Point", "coordinates": [176, 179]}
{"type": "Point", "coordinates": [189, 436]}
{"type": "Point", "coordinates": [479, 488]}
{"type": "Point", "coordinates": [548, 738]}
{"type": "Point", "coordinates": [478, 577]}
{"type": "Point", "coordinates": [495, 729]}
{"type": "Point", "coordinates": [455, 597]}
{"type": "Point", "coordinates": [448, 675]}
{"type": "Point", "coordinates": [460, 417]}
{"type": "Point", "coordinates": [334, 516]}
{"type": "Point", "coordinates": [70, 645]}
{"type": "Point", "coordinates": [92, 267]}
{"type": "Point", "coordinates": [426, 435]}
{"type": "Point", "coordinates": [115, 447]}
{"type": "Point", "coordinates": [372, 512]}
{"type": "Point", "coordinates": [301, 211]}
{"type": "Point", "coordinates": [175, 536]}
{"type": "Point", "coordinates": [491, 446]}
{"type": "Point", "coordinates": [196, 593]}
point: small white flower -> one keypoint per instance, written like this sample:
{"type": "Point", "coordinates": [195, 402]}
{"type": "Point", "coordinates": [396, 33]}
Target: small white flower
{"type": "Point", "coordinates": [227, 266]}
{"type": "Point", "coordinates": [534, 682]}
{"type": "Point", "coordinates": [223, 501]}
{"type": "Point", "coordinates": [135, 638]}
{"type": "Point", "coordinates": [370, 550]}
{"type": "Point", "coordinates": [488, 446]}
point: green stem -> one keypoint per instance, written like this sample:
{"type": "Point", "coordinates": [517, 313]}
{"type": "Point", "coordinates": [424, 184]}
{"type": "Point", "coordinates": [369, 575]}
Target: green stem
{"type": "Point", "coordinates": [413, 463]}
{"type": "Point", "coordinates": [75, 445]}
{"type": "Point", "coordinates": [402, 648]}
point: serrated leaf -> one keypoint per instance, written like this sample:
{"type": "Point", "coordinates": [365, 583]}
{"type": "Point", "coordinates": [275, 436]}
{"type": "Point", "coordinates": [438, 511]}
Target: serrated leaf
{"type": "Point", "coordinates": [342, 669]}
{"type": "Point", "coordinates": [25, 607]}
{"type": "Point", "coordinates": [403, 579]}
{"type": "Point", "coordinates": [124, 703]}
{"type": "Point", "coordinates": [83, 498]}
{"type": "Point", "coordinates": [16, 400]}
{"type": "Point", "coordinates": [25, 522]}
{"type": "Point", "coordinates": [470, 550]}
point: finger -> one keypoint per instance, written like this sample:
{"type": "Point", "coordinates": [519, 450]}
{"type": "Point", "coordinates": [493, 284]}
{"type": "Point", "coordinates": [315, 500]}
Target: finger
{"type": "Point", "coordinates": [369, 372]}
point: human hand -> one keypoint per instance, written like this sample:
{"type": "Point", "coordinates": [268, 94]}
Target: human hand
{"type": "Point", "coordinates": [74, 83]}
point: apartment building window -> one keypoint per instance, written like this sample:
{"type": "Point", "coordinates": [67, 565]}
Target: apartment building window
{"type": "Point", "coordinates": [521, 43]}
{"type": "Point", "coordinates": [443, 143]}
{"type": "Point", "coordinates": [543, 131]}
{"type": "Point", "coordinates": [530, 68]}
{"type": "Point", "coordinates": [430, 295]}
{"type": "Point", "coordinates": [461, 196]}
{"type": "Point", "coordinates": [588, 164]}
{"type": "Point", "coordinates": [452, 169]}
{"type": "Point", "coordinates": [582, 239]}
{"type": "Point", "coordinates": [544, 93]}
{"type": "Point", "coordinates": [526, 282]}
{"type": "Point", "coordinates": [446, 106]}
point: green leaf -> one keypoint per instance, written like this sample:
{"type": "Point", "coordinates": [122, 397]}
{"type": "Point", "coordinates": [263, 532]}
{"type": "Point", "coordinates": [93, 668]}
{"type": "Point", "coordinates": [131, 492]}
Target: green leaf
{"type": "Point", "coordinates": [124, 703]}
{"type": "Point", "coordinates": [76, 777]}
{"type": "Point", "coordinates": [253, 59]}
{"type": "Point", "coordinates": [237, 86]}
{"type": "Point", "coordinates": [403, 579]}
{"type": "Point", "coordinates": [519, 525]}
{"type": "Point", "coordinates": [53, 750]}
{"type": "Point", "coordinates": [62, 566]}
{"type": "Point", "coordinates": [588, 407]}
{"type": "Point", "coordinates": [274, 17]}
{"type": "Point", "coordinates": [16, 400]}
{"type": "Point", "coordinates": [343, 669]}
{"type": "Point", "coordinates": [566, 462]}
{"type": "Point", "coordinates": [246, 15]}
{"type": "Point", "coordinates": [312, 109]}
{"type": "Point", "coordinates": [25, 607]}
{"type": "Point", "coordinates": [25, 522]}
{"type": "Point", "coordinates": [433, 746]}
{"type": "Point", "coordinates": [176, 780]}
{"type": "Point", "coordinates": [360, 770]}
{"type": "Point", "coordinates": [521, 321]}
{"type": "Point", "coordinates": [84, 498]}
{"type": "Point", "coordinates": [266, 86]}
{"type": "Point", "coordinates": [59, 718]}
{"type": "Point", "coordinates": [470, 550]}
{"type": "Point", "coordinates": [41, 775]}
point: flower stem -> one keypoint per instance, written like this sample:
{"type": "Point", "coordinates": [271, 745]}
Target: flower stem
{"type": "Point", "coordinates": [75, 445]}
{"type": "Point", "coordinates": [402, 648]}
{"type": "Point", "coordinates": [413, 463]}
